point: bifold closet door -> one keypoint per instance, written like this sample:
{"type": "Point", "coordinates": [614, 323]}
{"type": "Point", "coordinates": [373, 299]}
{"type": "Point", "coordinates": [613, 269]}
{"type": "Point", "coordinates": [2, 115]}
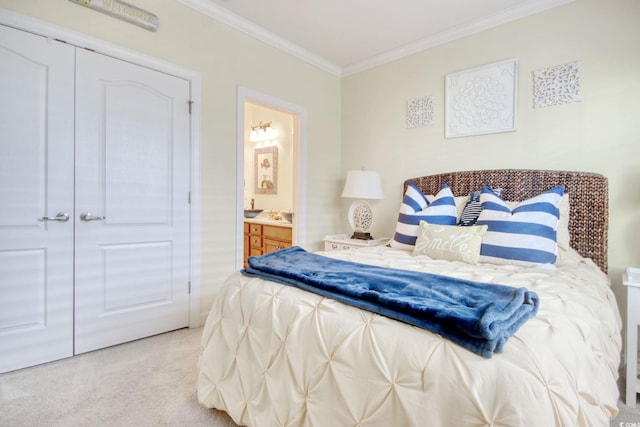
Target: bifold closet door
{"type": "Point", "coordinates": [132, 202]}
{"type": "Point", "coordinates": [36, 199]}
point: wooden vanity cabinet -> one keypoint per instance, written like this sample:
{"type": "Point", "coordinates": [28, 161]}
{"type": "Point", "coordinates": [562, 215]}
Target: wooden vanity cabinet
{"type": "Point", "coordinates": [261, 239]}
{"type": "Point", "coordinates": [275, 238]}
{"type": "Point", "coordinates": [255, 240]}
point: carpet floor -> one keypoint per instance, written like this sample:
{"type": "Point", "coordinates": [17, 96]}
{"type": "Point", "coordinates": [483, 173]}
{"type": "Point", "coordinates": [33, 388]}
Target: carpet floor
{"type": "Point", "coordinates": [149, 382]}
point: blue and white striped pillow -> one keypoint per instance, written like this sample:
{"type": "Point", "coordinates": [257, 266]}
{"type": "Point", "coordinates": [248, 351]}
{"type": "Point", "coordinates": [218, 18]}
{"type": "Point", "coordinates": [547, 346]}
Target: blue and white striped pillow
{"type": "Point", "coordinates": [525, 235]}
{"type": "Point", "coordinates": [473, 207]}
{"type": "Point", "coordinates": [415, 207]}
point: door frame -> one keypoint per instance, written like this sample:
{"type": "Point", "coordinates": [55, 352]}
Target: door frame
{"type": "Point", "coordinates": [46, 29]}
{"type": "Point", "coordinates": [299, 114]}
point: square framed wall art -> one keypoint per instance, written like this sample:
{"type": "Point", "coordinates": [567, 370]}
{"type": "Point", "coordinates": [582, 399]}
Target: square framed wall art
{"type": "Point", "coordinates": [557, 85]}
{"type": "Point", "coordinates": [420, 112]}
{"type": "Point", "coordinates": [481, 100]}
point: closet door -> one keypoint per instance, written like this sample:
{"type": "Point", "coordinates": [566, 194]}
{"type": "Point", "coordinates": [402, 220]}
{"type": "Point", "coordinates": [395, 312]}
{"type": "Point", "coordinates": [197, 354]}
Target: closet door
{"type": "Point", "coordinates": [36, 199]}
{"type": "Point", "coordinates": [132, 202]}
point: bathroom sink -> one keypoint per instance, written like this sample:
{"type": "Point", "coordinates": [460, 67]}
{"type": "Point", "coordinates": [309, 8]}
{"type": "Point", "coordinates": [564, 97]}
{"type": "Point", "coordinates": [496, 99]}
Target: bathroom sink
{"type": "Point", "coordinates": [288, 216]}
{"type": "Point", "coordinates": [252, 213]}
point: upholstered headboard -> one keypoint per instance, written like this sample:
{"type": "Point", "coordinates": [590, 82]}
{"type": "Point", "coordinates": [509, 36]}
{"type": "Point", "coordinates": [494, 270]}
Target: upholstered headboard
{"type": "Point", "coordinates": [588, 198]}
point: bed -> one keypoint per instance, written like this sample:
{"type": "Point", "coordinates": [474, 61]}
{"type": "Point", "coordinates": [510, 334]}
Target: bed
{"type": "Point", "coordinates": [275, 355]}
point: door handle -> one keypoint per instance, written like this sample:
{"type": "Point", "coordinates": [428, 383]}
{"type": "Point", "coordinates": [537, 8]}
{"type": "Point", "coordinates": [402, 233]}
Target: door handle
{"type": "Point", "coordinates": [60, 216]}
{"type": "Point", "coordinates": [86, 216]}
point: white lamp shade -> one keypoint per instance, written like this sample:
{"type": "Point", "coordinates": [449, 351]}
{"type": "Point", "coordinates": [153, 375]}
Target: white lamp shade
{"type": "Point", "coordinates": [363, 185]}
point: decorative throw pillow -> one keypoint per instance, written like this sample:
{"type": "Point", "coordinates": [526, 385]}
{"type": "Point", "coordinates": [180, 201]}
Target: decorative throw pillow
{"type": "Point", "coordinates": [472, 209]}
{"type": "Point", "coordinates": [525, 235]}
{"type": "Point", "coordinates": [461, 202]}
{"type": "Point", "coordinates": [415, 207]}
{"type": "Point", "coordinates": [449, 242]}
{"type": "Point", "coordinates": [564, 237]}
{"type": "Point", "coordinates": [563, 226]}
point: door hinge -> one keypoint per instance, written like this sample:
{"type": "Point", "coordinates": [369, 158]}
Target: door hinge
{"type": "Point", "coordinates": [189, 197]}
{"type": "Point", "coordinates": [190, 102]}
{"type": "Point", "coordinates": [189, 288]}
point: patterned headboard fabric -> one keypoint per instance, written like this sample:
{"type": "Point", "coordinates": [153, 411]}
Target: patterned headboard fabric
{"type": "Point", "coordinates": [588, 197]}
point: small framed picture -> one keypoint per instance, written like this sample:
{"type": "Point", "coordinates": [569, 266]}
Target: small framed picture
{"type": "Point", "coordinates": [266, 170]}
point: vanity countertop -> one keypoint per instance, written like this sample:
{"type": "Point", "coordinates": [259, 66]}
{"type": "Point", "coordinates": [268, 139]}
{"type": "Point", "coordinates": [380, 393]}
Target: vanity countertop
{"type": "Point", "coordinates": [265, 220]}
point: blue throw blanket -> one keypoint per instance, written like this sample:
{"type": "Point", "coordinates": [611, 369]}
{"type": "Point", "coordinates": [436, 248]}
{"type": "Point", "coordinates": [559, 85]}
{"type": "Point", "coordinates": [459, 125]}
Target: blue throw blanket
{"type": "Point", "coordinates": [478, 316]}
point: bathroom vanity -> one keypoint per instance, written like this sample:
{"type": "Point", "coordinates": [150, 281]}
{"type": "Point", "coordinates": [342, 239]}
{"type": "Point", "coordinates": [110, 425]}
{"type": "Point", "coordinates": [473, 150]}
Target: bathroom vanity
{"type": "Point", "coordinates": [264, 235]}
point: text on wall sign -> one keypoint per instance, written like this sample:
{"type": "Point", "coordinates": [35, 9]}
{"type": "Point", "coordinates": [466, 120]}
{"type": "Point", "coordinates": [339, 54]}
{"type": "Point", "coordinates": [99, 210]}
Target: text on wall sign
{"type": "Point", "coordinates": [124, 11]}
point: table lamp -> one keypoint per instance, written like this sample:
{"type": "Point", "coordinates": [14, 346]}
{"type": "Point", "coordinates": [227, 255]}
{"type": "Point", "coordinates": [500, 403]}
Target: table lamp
{"type": "Point", "coordinates": [362, 184]}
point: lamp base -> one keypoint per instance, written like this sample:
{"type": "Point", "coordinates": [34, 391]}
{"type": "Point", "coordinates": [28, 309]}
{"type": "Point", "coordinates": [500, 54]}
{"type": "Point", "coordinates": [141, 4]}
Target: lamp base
{"type": "Point", "coordinates": [362, 235]}
{"type": "Point", "coordinates": [360, 219]}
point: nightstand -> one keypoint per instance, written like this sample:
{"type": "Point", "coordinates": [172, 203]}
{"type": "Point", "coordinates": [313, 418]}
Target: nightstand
{"type": "Point", "coordinates": [631, 279]}
{"type": "Point", "coordinates": [336, 242]}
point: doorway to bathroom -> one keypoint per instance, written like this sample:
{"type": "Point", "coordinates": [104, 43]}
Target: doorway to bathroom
{"type": "Point", "coordinates": [271, 174]}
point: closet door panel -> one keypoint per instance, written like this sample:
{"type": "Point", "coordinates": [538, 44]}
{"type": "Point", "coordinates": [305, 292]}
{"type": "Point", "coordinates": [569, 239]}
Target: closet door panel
{"type": "Point", "coordinates": [36, 183]}
{"type": "Point", "coordinates": [143, 197]}
{"type": "Point", "coordinates": [132, 175]}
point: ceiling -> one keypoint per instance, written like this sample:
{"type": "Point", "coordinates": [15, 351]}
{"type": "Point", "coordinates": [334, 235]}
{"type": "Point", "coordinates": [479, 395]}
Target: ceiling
{"type": "Point", "coordinates": [348, 36]}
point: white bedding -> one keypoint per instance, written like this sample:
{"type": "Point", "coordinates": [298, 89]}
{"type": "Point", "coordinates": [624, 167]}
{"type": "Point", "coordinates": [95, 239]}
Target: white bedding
{"type": "Point", "coordinates": [274, 355]}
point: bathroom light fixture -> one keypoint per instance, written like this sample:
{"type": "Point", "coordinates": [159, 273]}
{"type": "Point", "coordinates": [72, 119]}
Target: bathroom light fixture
{"type": "Point", "coordinates": [362, 184]}
{"type": "Point", "coordinates": [261, 132]}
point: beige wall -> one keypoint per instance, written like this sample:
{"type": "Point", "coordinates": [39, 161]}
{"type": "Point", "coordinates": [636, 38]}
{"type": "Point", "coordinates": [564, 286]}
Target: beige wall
{"type": "Point", "coordinates": [225, 58]}
{"type": "Point", "coordinates": [599, 134]}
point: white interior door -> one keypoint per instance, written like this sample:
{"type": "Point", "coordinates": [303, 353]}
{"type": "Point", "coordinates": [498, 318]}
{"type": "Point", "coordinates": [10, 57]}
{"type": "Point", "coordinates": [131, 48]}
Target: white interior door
{"type": "Point", "coordinates": [36, 182]}
{"type": "Point", "coordinates": [132, 202]}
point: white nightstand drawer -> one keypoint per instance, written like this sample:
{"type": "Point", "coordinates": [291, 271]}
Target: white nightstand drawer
{"type": "Point", "coordinates": [337, 242]}
{"type": "Point", "coordinates": [333, 246]}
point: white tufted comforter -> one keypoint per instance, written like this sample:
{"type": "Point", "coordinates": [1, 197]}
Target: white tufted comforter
{"type": "Point", "coordinates": [274, 355]}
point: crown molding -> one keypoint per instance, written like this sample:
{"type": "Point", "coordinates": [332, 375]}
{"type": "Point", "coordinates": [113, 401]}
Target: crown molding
{"type": "Point", "coordinates": [235, 21]}
{"type": "Point", "coordinates": [454, 33]}
{"type": "Point", "coordinates": [231, 19]}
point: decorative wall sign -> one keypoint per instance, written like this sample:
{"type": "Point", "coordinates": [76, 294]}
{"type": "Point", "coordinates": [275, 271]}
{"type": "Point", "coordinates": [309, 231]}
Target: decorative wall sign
{"type": "Point", "coordinates": [266, 170]}
{"type": "Point", "coordinates": [482, 100]}
{"type": "Point", "coordinates": [124, 11]}
{"type": "Point", "coordinates": [557, 85]}
{"type": "Point", "coordinates": [420, 112]}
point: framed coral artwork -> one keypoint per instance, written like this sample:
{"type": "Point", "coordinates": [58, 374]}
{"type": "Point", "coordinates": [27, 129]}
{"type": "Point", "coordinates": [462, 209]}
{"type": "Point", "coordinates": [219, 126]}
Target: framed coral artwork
{"type": "Point", "coordinates": [266, 170]}
{"type": "Point", "coordinates": [481, 100]}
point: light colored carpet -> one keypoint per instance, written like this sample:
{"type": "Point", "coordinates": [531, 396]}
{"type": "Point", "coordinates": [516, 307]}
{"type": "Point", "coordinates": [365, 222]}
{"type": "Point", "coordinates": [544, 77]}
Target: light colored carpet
{"type": "Point", "coordinates": [149, 382]}
{"type": "Point", "coordinates": [628, 417]}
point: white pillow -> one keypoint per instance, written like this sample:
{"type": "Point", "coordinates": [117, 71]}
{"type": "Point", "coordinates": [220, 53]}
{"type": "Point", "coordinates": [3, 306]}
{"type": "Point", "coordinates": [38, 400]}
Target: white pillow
{"type": "Point", "coordinates": [525, 235]}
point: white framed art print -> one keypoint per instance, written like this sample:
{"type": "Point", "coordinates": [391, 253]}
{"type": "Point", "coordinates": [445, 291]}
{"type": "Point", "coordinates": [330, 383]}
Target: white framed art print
{"type": "Point", "coordinates": [481, 100]}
